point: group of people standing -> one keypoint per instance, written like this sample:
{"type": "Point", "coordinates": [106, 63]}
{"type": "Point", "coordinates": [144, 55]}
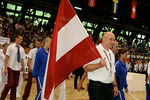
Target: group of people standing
{"type": "Point", "coordinates": [12, 63]}
{"type": "Point", "coordinates": [107, 75]}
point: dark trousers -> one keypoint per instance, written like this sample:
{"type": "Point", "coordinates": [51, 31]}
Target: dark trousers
{"type": "Point", "coordinates": [78, 73]}
{"type": "Point", "coordinates": [28, 87]}
{"type": "Point", "coordinates": [100, 91]}
{"type": "Point", "coordinates": [12, 83]}
{"type": "Point", "coordinates": [76, 80]}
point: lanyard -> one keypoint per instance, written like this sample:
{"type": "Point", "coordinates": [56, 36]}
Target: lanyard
{"type": "Point", "coordinates": [108, 58]}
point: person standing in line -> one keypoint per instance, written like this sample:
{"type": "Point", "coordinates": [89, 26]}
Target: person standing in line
{"type": "Point", "coordinates": [30, 63]}
{"type": "Point", "coordinates": [121, 74]}
{"type": "Point", "coordinates": [145, 66]}
{"type": "Point", "coordinates": [2, 59]}
{"type": "Point", "coordinates": [114, 50]}
{"type": "Point", "coordinates": [40, 66]}
{"type": "Point", "coordinates": [13, 62]}
{"type": "Point", "coordinates": [101, 72]}
{"type": "Point", "coordinates": [21, 73]}
{"type": "Point", "coordinates": [148, 83]}
{"type": "Point", "coordinates": [136, 67]}
{"type": "Point", "coordinates": [78, 73]}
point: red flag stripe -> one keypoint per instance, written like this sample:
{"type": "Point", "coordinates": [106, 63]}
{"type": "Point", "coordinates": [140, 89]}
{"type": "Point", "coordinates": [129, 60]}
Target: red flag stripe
{"type": "Point", "coordinates": [66, 11]}
{"type": "Point", "coordinates": [78, 56]}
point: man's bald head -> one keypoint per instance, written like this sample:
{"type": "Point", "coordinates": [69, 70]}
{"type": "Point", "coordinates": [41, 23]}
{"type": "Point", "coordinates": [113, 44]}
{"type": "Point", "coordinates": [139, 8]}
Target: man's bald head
{"type": "Point", "coordinates": [108, 40]}
{"type": "Point", "coordinates": [109, 34]}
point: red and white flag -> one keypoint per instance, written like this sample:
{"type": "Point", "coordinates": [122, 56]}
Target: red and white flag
{"type": "Point", "coordinates": [71, 48]}
{"type": "Point", "coordinates": [91, 3]}
{"type": "Point", "coordinates": [133, 9]}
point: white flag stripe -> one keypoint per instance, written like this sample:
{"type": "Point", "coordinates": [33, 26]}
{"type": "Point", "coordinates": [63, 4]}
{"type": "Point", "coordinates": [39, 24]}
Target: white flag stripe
{"type": "Point", "coordinates": [52, 94]}
{"type": "Point", "coordinates": [69, 36]}
{"type": "Point", "coordinates": [45, 76]}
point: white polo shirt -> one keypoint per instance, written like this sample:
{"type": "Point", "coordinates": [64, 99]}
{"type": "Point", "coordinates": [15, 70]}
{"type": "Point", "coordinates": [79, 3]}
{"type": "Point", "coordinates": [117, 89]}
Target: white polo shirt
{"type": "Point", "coordinates": [102, 74]}
{"type": "Point", "coordinates": [32, 55]}
{"type": "Point", "coordinates": [12, 53]}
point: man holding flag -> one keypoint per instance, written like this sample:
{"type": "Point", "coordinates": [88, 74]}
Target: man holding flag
{"type": "Point", "coordinates": [101, 72]}
{"type": "Point", "coordinates": [71, 47]}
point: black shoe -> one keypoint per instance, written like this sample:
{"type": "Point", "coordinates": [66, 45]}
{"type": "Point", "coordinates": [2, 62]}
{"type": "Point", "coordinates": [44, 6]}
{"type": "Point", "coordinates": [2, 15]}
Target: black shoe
{"type": "Point", "coordinates": [82, 88]}
{"type": "Point", "coordinates": [75, 88]}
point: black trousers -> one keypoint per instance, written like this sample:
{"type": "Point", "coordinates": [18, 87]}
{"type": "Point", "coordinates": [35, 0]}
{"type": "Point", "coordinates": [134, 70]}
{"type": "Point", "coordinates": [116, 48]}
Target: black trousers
{"type": "Point", "coordinates": [78, 73]}
{"type": "Point", "coordinates": [100, 91]}
{"type": "Point", "coordinates": [76, 80]}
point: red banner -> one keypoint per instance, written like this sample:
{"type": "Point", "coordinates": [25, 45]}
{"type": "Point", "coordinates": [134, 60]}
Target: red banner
{"type": "Point", "coordinates": [133, 9]}
{"type": "Point", "coordinates": [92, 3]}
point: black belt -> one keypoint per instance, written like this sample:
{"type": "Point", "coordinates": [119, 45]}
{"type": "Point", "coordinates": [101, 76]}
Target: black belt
{"type": "Point", "coordinates": [100, 84]}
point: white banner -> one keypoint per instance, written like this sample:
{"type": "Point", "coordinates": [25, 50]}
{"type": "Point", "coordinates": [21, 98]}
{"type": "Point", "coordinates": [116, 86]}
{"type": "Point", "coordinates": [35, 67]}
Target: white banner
{"type": "Point", "coordinates": [4, 40]}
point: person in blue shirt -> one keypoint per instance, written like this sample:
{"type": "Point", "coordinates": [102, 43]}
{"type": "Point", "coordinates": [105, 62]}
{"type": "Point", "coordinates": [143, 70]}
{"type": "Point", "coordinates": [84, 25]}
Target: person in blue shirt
{"type": "Point", "coordinates": [40, 66]}
{"type": "Point", "coordinates": [121, 73]}
{"type": "Point", "coordinates": [148, 83]}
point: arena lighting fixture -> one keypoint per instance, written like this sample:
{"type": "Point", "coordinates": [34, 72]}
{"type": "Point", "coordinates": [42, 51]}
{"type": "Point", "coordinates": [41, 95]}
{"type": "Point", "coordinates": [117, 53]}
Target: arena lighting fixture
{"type": "Point", "coordinates": [114, 18]}
{"type": "Point", "coordinates": [78, 8]}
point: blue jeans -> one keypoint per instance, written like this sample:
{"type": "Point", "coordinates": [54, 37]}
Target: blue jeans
{"type": "Point", "coordinates": [147, 92]}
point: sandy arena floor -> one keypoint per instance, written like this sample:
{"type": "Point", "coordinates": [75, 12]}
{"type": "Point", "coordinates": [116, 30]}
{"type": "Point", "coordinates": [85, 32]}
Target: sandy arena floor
{"type": "Point", "coordinates": [72, 94]}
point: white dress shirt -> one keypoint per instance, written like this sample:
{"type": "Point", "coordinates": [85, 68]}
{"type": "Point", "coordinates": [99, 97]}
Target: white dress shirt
{"type": "Point", "coordinates": [148, 71]}
{"type": "Point", "coordinates": [12, 53]}
{"type": "Point", "coordinates": [2, 59]}
{"type": "Point", "coordinates": [140, 67]}
{"type": "Point", "coordinates": [145, 67]}
{"type": "Point", "coordinates": [136, 68]}
{"type": "Point", "coordinates": [102, 74]}
{"type": "Point", "coordinates": [32, 55]}
{"type": "Point", "coordinates": [129, 67]}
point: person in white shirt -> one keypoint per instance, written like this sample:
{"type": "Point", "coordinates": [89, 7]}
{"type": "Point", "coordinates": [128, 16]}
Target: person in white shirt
{"type": "Point", "coordinates": [30, 63]}
{"type": "Point", "coordinates": [136, 67]}
{"type": "Point", "coordinates": [148, 83]}
{"type": "Point", "coordinates": [145, 66]}
{"type": "Point", "coordinates": [129, 66]}
{"type": "Point", "coordinates": [101, 72]}
{"type": "Point", "coordinates": [21, 73]}
{"type": "Point", "coordinates": [2, 59]}
{"type": "Point", "coordinates": [114, 49]}
{"type": "Point", "coordinates": [13, 63]}
{"type": "Point", "coordinates": [140, 66]}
